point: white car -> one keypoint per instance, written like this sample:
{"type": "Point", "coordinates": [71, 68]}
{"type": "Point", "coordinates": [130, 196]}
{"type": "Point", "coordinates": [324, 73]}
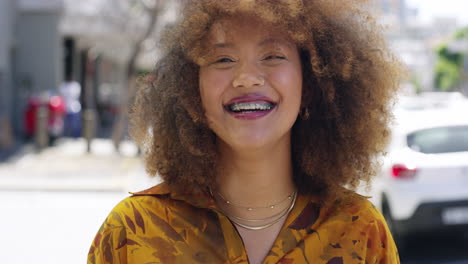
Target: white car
{"type": "Point", "coordinates": [423, 184]}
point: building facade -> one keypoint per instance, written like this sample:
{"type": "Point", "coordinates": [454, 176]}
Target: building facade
{"type": "Point", "coordinates": [30, 58]}
{"type": "Point", "coordinates": [43, 41]}
{"type": "Point", "coordinates": [7, 59]}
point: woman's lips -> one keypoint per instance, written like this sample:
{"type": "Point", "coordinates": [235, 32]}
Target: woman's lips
{"type": "Point", "coordinates": [250, 98]}
{"type": "Point", "coordinates": [250, 107]}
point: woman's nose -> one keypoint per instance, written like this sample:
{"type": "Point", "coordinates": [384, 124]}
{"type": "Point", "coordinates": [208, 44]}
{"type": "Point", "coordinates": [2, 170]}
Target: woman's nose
{"type": "Point", "coordinates": [248, 76]}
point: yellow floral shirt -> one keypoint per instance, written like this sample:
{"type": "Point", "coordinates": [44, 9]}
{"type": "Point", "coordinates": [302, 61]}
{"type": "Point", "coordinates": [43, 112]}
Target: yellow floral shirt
{"type": "Point", "coordinates": [160, 226]}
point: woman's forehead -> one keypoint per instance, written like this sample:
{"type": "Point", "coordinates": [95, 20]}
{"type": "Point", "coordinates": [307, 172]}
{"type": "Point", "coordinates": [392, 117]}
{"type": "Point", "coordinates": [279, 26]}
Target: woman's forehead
{"type": "Point", "coordinates": [226, 31]}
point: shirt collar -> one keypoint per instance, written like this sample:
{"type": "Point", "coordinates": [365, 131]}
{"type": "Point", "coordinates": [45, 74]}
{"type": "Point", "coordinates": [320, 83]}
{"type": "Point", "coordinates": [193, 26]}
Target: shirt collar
{"type": "Point", "coordinates": [201, 199]}
{"type": "Point", "coordinates": [205, 200]}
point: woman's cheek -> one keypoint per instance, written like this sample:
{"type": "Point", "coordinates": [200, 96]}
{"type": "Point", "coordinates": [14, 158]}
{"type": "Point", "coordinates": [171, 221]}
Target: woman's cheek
{"type": "Point", "coordinates": [210, 92]}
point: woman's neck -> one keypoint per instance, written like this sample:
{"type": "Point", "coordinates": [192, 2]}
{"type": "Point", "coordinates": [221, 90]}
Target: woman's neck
{"type": "Point", "coordinates": [256, 178]}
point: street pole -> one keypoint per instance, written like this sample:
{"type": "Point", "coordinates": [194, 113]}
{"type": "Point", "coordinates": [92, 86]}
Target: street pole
{"type": "Point", "coordinates": [6, 134]}
{"type": "Point", "coordinates": [89, 113]}
{"type": "Point", "coordinates": [89, 129]}
{"type": "Point", "coordinates": [41, 133]}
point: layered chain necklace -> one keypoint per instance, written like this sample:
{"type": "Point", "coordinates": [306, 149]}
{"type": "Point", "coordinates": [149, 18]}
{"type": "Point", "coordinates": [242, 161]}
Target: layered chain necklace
{"type": "Point", "coordinates": [271, 219]}
{"type": "Point", "coordinates": [249, 208]}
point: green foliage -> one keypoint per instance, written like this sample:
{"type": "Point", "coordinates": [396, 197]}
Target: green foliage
{"type": "Point", "coordinates": [449, 64]}
{"type": "Point", "coordinates": [447, 75]}
{"type": "Point", "coordinates": [416, 83]}
{"type": "Point", "coordinates": [462, 33]}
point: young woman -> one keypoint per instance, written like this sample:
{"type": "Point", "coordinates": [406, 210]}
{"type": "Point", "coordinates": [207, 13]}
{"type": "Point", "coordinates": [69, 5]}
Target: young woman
{"type": "Point", "coordinates": [257, 118]}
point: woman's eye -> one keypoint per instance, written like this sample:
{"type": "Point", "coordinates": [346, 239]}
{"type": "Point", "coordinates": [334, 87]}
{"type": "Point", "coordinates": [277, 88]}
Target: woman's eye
{"type": "Point", "coordinates": [224, 60]}
{"type": "Point", "coordinates": [275, 57]}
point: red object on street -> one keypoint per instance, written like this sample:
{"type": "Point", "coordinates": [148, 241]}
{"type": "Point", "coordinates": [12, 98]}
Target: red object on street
{"type": "Point", "coordinates": [56, 106]}
{"type": "Point", "coordinates": [56, 113]}
{"type": "Point", "coordinates": [30, 115]}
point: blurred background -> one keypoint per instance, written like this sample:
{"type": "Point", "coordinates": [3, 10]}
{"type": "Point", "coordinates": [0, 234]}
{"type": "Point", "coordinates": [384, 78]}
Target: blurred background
{"type": "Point", "coordinates": [69, 69]}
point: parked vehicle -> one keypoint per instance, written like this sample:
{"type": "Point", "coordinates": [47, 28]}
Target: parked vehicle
{"type": "Point", "coordinates": [55, 106]}
{"type": "Point", "coordinates": [423, 184]}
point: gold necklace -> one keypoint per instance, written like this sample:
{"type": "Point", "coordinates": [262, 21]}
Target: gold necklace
{"type": "Point", "coordinates": [255, 228]}
{"type": "Point", "coordinates": [249, 208]}
{"type": "Point", "coordinates": [260, 220]}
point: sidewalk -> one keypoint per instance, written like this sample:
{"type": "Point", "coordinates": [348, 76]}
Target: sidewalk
{"type": "Point", "coordinates": [67, 167]}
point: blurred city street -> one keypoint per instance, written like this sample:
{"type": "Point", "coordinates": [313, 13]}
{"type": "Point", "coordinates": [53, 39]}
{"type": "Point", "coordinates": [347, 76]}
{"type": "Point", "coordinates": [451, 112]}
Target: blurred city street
{"type": "Point", "coordinates": [53, 202]}
{"type": "Point", "coordinates": [67, 167]}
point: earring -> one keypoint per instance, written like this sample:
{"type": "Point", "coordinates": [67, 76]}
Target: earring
{"type": "Point", "coordinates": [304, 113]}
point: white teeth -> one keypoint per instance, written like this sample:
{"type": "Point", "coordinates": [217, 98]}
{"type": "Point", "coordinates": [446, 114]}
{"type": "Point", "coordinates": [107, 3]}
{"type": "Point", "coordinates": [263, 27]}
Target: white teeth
{"type": "Point", "coordinates": [250, 107]}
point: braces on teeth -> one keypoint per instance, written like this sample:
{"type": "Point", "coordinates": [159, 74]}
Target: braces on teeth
{"type": "Point", "coordinates": [250, 107]}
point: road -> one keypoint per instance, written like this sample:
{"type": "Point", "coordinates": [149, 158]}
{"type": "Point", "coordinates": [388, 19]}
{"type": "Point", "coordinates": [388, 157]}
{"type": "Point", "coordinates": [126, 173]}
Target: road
{"type": "Point", "coordinates": [51, 227]}
{"type": "Point", "coordinates": [436, 250]}
{"type": "Point", "coordinates": [58, 227]}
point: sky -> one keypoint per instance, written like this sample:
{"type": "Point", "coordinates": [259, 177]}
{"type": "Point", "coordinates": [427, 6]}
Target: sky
{"type": "Point", "coordinates": [427, 9]}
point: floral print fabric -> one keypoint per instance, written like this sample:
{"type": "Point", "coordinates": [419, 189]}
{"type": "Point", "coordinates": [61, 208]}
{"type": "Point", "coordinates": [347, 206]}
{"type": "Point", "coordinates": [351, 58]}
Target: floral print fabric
{"type": "Point", "coordinates": [160, 226]}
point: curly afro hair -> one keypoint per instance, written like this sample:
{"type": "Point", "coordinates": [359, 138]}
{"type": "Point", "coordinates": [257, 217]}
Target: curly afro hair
{"type": "Point", "coordinates": [349, 81]}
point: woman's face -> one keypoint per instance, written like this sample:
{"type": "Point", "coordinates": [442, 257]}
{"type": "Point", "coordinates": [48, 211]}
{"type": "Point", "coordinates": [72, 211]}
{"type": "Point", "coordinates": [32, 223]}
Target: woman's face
{"type": "Point", "coordinates": [250, 83]}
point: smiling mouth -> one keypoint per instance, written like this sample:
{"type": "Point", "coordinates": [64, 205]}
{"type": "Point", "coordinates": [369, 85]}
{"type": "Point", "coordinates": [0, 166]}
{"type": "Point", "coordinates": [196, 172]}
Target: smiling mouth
{"type": "Point", "coordinates": [244, 108]}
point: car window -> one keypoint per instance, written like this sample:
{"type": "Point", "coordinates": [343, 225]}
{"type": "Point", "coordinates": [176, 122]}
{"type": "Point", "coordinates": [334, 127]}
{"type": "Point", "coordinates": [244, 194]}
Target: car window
{"type": "Point", "coordinates": [439, 140]}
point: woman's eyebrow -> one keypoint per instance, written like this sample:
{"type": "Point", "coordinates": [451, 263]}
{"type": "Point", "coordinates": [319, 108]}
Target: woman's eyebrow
{"type": "Point", "coordinates": [275, 41]}
{"type": "Point", "coordinates": [265, 42]}
{"type": "Point", "coordinates": [223, 45]}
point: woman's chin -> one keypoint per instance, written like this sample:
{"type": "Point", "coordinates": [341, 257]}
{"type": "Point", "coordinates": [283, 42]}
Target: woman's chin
{"type": "Point", "coordinates": [253, 143]}
{"type": "Point", "coordinates": [249, 146]}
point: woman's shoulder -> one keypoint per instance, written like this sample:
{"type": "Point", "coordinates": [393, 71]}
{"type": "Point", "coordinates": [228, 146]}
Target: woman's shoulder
{"type": "Point", "coordinates": [352, 205]}
{"type": "Point", "coordinates": [139, 222]}
{"type": "Point", "coordinates": [150, 201]}
{"type": "Point", "coordinates": [353, 223]}
{"type": "Point", "coordinates": [158, 201]}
